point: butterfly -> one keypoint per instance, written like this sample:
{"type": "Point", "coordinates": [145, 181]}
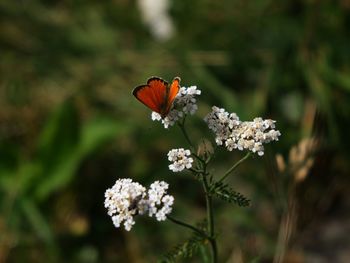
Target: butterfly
{"type": "Point", "coordinates": [157, 94]}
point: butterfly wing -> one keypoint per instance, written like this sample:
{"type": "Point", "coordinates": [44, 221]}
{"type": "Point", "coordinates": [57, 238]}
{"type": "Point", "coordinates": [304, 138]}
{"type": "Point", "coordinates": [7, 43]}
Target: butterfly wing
{"type": "Point", "coordinates": [153, 94]}
{"type": "Point", "coordinates": [172, 92]}
{"type": "Point", "coordinates": [174, 89]}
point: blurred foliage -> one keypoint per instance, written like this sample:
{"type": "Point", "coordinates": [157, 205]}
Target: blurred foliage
{"type": "Point", "coordinates": [69, 125]}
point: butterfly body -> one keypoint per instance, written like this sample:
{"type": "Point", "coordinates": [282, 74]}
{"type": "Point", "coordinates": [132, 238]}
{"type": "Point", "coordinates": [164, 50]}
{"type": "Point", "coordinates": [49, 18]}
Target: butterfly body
{"type": "Point", "coordinates": [157, 94]}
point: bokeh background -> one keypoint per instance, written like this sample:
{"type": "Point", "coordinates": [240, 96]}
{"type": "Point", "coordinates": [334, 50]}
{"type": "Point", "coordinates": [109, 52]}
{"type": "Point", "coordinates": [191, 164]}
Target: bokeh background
{"type": "Point", "coordinates": [69, 126]}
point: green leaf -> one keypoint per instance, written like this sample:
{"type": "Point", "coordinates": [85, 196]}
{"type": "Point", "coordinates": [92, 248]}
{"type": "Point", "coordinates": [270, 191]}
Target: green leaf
{"type": "Point", "coordinates": [225, 193]}
{"type": "Point", "coordinates": [184, 250]}
{"type": "Point", "coordinates": [40, 225]}
{"type": "Point", "coordinates": [57, 175]}
{"type": "Point", "coordinates": [203, 250]}
{"type": "Point", "coordinates": [99, 132]}
{"type": "Point", "coordinates": [60, 134]}
{"type": "Point", "coordinates": [65, 143]}
{"type": "Point", "coordinates": [337, 77]}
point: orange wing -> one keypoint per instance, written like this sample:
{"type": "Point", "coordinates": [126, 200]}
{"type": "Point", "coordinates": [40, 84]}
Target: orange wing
{"type": "Point", "coordinates": [173, 90]}
{"type": "Point", "coordinates": [153, 94]}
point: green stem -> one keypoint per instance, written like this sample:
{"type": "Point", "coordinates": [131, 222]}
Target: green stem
{"type": "Point", "coordinates": [197, 157]}
{"type": "Point", "coordinates": [182, 127]}
{"type": "Point", "coordinates": [210, 216]}
{"type": "Point", "coordinates": [202, 164]}
{"type": "Point", "coordinates": [178, 222]}
{"type": "Point", "coordinates": [234, 167]}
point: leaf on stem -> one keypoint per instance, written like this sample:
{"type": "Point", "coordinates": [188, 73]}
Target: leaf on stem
{"type": "Point", "coordinates": [226, 193]}
{"type": "Point", "coordinates": [186, 249]}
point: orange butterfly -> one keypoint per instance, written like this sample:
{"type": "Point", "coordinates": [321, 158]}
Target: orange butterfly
{"type": "Point", "coordinates": [157, 94]}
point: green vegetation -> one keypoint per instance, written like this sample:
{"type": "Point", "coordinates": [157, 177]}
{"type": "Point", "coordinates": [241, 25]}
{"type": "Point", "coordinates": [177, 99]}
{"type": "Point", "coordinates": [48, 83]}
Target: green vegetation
{"type": "Point", "coordinates": [69, 126]}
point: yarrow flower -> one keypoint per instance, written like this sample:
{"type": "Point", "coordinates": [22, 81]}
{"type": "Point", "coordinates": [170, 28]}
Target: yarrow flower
{"type": "Point", "coordinates": [180, 158]}
{"type": "Point", "coordinates": [173, 116]}
{"type": "Point", "coordinates": [159, 203]}
{"type": "Point", "coordinates": [235, 134]}
{"type": "Point", "coordinates": [127, 199]}
{"type": "Point", "coordinates": [186, 99]}
{"type": "Point", "coordinates": [184, 103]}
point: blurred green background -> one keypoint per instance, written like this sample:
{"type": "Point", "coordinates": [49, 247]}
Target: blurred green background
{"type": "Point", "coordinates": [69, 126]}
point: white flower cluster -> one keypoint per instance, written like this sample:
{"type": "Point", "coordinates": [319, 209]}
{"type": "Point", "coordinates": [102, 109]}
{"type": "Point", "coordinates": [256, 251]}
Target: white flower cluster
{"type": "Point", "coordinates": [235, 134]}
{"type": "Point", "coordinates": [127, 199]}
{"type": "Point", "coordinates": [169, 120]}
{"type": "Point", "coordinates": [184, 103]}
{"type": "Point", "coordinates": [180, 158]}
{"type": "Point", "coordinates": [186, 99]}
{"type": "Point", "coordinates": [159, 203]}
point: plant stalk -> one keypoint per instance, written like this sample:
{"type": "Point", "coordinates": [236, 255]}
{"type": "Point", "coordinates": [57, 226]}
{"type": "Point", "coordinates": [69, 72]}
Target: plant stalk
{"type": "Point", "coordinates": [182, 127]}
{"type": "Point", "coordinates": [233, 167]}
{"type": "Point", "coordinates": [195, 229]}
{"type": "Point", "coordinates": [210, 214]}
{"type": "Point", "coordinates": [210, 235]}
{"type": "Point", "coordinates": [210, 218]}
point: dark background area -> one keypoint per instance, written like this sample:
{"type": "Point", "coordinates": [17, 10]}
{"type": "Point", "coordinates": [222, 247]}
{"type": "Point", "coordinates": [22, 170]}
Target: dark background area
{"type": "Point", "coordinates": [69, 125]}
